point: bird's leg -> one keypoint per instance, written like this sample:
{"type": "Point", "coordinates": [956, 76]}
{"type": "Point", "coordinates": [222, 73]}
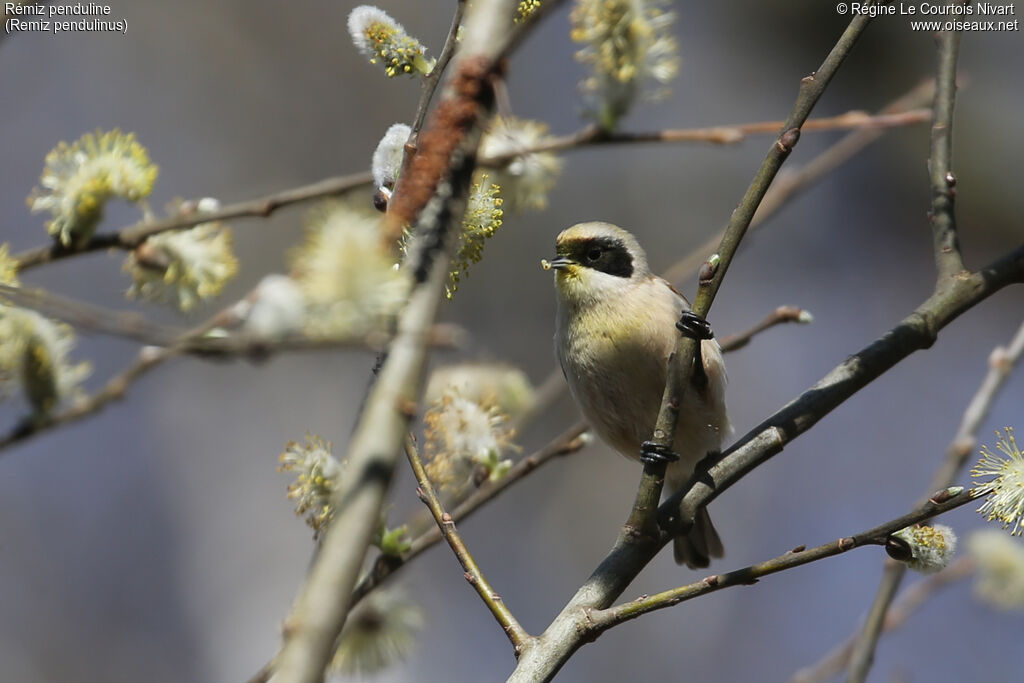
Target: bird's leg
{"type": "Point", "coordinates": [693, 326]}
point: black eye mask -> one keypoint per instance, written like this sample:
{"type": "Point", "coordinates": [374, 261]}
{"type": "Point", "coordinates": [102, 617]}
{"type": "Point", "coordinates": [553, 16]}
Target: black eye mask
{"type": "Point", "coordinates": [606, 254]}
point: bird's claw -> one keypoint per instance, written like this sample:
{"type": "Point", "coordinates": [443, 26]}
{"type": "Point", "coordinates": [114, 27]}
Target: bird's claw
{"type": "Point", "coordinates": [654, 453]}
{"type": "Point", "coordinates": [694, 326]}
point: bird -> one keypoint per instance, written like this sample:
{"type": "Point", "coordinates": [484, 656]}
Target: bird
{"type": "Point", "coordinates": [615, 329]}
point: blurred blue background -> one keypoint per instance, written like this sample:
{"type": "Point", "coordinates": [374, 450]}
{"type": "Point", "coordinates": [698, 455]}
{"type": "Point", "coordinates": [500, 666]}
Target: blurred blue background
{"type": "Point", "coordinates": [155, 542]}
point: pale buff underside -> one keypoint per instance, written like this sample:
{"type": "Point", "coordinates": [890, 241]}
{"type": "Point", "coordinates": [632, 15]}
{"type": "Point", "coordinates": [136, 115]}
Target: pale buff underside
{"type": "Point", "coordinates": [615, 358]}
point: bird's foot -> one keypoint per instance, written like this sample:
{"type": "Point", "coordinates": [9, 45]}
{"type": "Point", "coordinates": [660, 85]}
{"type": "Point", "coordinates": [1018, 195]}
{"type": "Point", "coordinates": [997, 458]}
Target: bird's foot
{"type": "Point", "coordinates": [654, 453]}
{"type": "Point", "coordinates": [694, 326]}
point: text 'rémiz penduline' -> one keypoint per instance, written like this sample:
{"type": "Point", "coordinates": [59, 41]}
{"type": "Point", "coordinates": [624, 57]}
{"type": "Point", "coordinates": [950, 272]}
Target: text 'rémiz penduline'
{"type": "Point", "coordinates": [78, 9]}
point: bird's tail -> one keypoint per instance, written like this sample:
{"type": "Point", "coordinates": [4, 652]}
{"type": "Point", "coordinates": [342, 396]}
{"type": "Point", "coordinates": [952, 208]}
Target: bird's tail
{"type": "Point", "coordinates": [696, 548]}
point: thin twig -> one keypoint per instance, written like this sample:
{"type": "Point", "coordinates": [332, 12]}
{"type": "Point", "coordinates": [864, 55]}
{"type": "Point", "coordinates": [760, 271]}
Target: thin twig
{"type": "Point", "coordinates": [517, 635]}
{"type": "Point", "coordinates": [134, 235]}
{"type": "Point", "coordinates": [220, 348]}
{"type": "Point", "coordinates": [908, 602]}
{"type": "Point", "coordinates": [781, 315]}
{"type": "Point", "coordinates": [602, 620]}
{"type": "Point", "coordinates": [433, 79]}
{"type": "Point", "coordinates": [235, 344]}
{"type": "Point", "coordinates": [115, 388]}
{"type": "Point", "coordinates": [717, 135]}
{"type": "Point", "coordinates": [949, 264]}
{"type": "Point", "coordinates": [384, 566]}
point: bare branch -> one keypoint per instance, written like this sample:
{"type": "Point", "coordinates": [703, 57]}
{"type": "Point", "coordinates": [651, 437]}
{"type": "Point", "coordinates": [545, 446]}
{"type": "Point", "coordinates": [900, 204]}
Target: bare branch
{"type": "Point", "coordinates": [781, 315]}
{"type": "Point", "coordinates": [948, 260]}
{"type": "Point", "coordinates": [602, 620]}
{"type": "Point", "coordinates": [790, 183]}
{"type": "Point", "coordinates": [717, 135]}
{"type": "Point", "coordinates": [431, 80]}
{"type": "Point", "coordinates": [569, 442]}
{"type": "Point", "coordinates": [517, 635]}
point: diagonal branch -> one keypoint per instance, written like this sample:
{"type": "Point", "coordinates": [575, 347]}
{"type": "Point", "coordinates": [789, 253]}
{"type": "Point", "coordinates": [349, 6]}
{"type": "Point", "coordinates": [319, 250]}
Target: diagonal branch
{"type": "Point", "coordinates": [570, 441]}
{"type": "Point", "coordinates": [780, 316]}
{"type": "Point", "coordinates": [940, 502]}
{"type": "Point", "coordinates": [517, 635]}
{"type": "Point", "coordinates": [132, 236]}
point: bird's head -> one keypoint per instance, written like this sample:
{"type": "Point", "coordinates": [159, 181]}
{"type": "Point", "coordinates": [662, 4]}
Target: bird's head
{"type": "Point", "coordinates": [596, 260]}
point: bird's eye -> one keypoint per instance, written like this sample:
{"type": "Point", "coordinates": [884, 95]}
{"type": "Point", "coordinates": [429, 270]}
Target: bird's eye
{"type": "Point", "coordinates": [594, 255]}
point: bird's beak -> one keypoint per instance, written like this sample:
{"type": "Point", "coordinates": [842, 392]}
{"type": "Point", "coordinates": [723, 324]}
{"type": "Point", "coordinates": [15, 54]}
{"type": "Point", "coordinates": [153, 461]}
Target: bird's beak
{"type": "Point", "coordinates": [561, 263]}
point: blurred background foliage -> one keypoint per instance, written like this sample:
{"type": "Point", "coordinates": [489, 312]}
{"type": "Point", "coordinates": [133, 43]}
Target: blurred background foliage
{"type": "Point", "coordinates": [155, 541]}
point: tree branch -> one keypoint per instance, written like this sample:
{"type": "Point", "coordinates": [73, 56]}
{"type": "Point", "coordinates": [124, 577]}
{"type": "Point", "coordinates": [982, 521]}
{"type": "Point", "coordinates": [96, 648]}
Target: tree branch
{"type": "Point", "coordinates": [384, 566]}
{"type": "Point", "coordinates": [790, 183]}
{"type": "Point", "coordinates": [781, 315]}
{"type": "Point", "coordinates": [134, 235]}
{"type": "Point", "coordinates": [517, 635]}
{"type": "Point", "coordinates": [718, 135]}
{"type": "Point", "coordinates": [948, 260]}
{"type": "Point", "coordinates": [432, 79]}
{"type": "Point", "coordinates": [602, 620]}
